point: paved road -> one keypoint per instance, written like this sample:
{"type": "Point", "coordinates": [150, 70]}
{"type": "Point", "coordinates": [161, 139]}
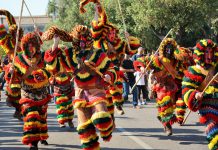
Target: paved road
{"type": "Point", "coordinates": [138, 129]}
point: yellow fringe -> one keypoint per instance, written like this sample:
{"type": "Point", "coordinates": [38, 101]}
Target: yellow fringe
{"type": "Point", "coordinates": [38, 84]}
{"type": "Point", "coordinates": [84, 125]}
{"type": "Point", "coordinates": [186, 96]}
{"type": "Point", "coordinates": [80, 104]}
{"type": "Point", "coordinates": [213, 142]}
{"type": "Point", "coordinates": [15, 86]}
{"type": "Point", "coordinates": [165, 99]}
{"type": "Point", "coordinates": [92, 137]}
{"type": "Point", "coordinates": [83, 75]}
{"type": "Point", "coordinates": [52, 66]}
{"type": "Point", "coordinates": [211, 90]}
{"type": "Point", "coordinates": [167, 111]}
{"type": "Point", "coordinates": [103, 63]}
{"type": "Point", "coordinates": [30, 135]}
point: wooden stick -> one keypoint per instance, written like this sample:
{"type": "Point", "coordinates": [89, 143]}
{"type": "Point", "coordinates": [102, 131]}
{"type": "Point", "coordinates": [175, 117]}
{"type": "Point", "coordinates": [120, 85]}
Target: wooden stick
{"type": "Point", "coordinates": [17, 34]}
{"type": "Point", "coordinates": [152, 57]}
{"type": "Point", "coordinates": [34, 23]}
{"type": "Point", "coordinates": [17, 37]}
{"type": "Point", "coordinates": [197, 100]}
{"type": "Point", "coordinates": [124, 24]}
{"type": "Point", "coordinates": [87, 63]}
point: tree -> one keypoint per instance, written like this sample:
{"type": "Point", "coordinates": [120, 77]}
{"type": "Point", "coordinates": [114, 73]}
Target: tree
{"type": "Point", "coordinates": [150, 20]}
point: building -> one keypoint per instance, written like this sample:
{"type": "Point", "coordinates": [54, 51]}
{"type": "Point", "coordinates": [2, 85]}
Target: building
{"type": "Point", "coordinates": [27, 22]}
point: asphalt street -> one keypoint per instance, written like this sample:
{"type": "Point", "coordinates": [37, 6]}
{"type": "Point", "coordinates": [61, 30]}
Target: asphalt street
{"type": "Point", "coordinates": [137, 129]}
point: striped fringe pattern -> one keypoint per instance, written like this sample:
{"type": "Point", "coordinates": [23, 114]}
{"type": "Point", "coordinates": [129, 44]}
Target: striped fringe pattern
{"type": "Point", "coordinates": [117, 97]}
{"type": "Point", "coordinates": [110, 106]}
{"type": "Point", "coordinates": [104, 123]}
{"type": "Point", "coordinates": [13, 98]}
{"type": "Point", "coordinates": [166, 110]}
{"type": "Point", "coordinates": [209, 116]}
{"type": "Point", "coordinates": [212, 135]}
{"type": "Point", "coordinates": [180, 110]}
{"type": "Point", "coordinates": [35, 125]}
{"type": "Point", "coordinates": [64, 109]}
{"type": "Point", "coordinates": [88, 136]}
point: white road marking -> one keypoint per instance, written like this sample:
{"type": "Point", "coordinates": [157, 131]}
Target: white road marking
{"type": "Point", "coordinates": [137, 140]}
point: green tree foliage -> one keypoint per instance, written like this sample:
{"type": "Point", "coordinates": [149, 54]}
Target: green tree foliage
{"type": "Point", "coordinates": [150, 20]}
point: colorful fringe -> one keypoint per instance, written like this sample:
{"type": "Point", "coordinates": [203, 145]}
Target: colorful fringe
{"type": "Point", "coordinates": [88, 136]}
{"type": "Point", "coordinates": [64, 108]}
{"type": "Point", "coordinates": [70, 63]}
{"type": "Point", "coordinates": [35, 125]}
{"type": "Point", "coordinates": [208, 107]}
{"type": "Point", "coordinates": [166, 110]}
{"type": "Point", "coordinates": [13, 98]}
{"type": "Point", "coordinates": [180, 110]}
{"type": "Point", "coordinates": [104, 123]}
{"type": "Point", "coordinates": [117, 93]}
{"type": "Point", "coordinates": [110, 105]}
{"type": "Point", "coordinates": [212, 135]}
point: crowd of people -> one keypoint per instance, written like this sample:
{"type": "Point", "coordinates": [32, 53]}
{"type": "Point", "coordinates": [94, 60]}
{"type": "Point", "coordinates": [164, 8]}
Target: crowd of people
{"type": "Point", "coordinates": [94, 77]}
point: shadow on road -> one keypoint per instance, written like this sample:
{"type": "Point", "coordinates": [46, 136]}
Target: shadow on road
{"type": "Point", "coordinates": [189, 138]}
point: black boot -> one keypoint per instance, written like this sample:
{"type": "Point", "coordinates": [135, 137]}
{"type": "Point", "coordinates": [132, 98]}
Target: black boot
{"type": "Point", "coordinates": [34, 146]}
{"type": "Point", "coordinates": [44, 142]}
{"type": "Point", "coordinates": [120, 110]}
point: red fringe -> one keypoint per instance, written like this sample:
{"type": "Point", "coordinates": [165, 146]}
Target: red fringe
{"type": "Point", "coordinates": [63, 82]}
{"type": "Point", "coordinates": [44, 137]}
{"type": "Point", "coordinates": [199, 46]}
{"type": "Point", "coordinates": [85, 83]}
{"type": "Point", "coordinates": [190, 101]}
{"type": "Point", "coordinates": [203, 119]}
{"type": "Point", "coordinates": [94, 146]}
{"type": "Point", "coordinates": [163, 108]}
{"type": "Point", "coordinates": [48, 57]}
{"type": "Point", "coordinates": [90, 103]}
{"type": "Point", "coordinates": [185, 90]}
{"type": "Point", "coordinates": [61, 111]}
{"type": "Point", "coordinates": [193, 77]}
{"type": "Point", "coordinates": [87, 134]}
{"type": "Point", "coordinates": [31, 116]}
{"type": "Point", "coordinates": [138, 64]}
{"type": "Point", "coordinates": [105, 125]}
{"type": "Point", "coordinates": [61, 101]}
{"type": "Point", "coordinates": [78, 100]}
{"type": "Point", "coordinates": [107, 139]}
{"type": "Point", "coordinates": [171, 121]}
{"type": "Point", "coordinates": [101, 59]}
{"type": "Point", "coordinates": [35, 103]}
{"type": "Point", "coordinates": [29, 140]}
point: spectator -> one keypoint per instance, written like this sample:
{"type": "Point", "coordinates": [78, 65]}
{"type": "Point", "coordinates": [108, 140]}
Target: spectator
{"type": "Point", "coordinates": [2, 79]}
{"type": "Point", "coordinates": [140, 53]}
{"type": "Point", "coordinates": [141, 86]}
{"type": "Point", "coordinates": [128, 69]}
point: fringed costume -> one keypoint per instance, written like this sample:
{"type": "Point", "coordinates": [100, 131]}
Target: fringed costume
{"type": "Point", "coordinates": [63, 92]}
{"type": "Point", "coordinates": [115, 49]}
{"type": "Point", "coordinates": [90, 97]}
{"type": "Point", "coordinates": [29, 75]}
{"type": "Point", "coordinates": [195, 81]}
{"type": "Point", "coordinates": [165, 86]}
{"type": "Point", "coordinates": [7, 42]}
{"type": "Point", "coordinates": [8, 39]}
{"type": "Point", "coordinates": [184, 60]}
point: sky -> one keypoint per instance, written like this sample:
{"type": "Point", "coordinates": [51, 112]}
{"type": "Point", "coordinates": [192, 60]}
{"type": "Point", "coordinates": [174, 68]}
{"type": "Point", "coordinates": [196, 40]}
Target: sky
{"type": "Point", "coordinates": [36, 7]}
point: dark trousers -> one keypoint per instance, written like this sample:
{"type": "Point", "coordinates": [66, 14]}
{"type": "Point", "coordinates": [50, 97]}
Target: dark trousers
{"type": "Point", "coordinates": [142, 89]}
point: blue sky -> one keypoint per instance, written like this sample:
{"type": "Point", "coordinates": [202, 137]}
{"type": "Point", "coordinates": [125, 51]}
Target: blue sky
{"type": "Point", "coordinates": [36, 7]}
